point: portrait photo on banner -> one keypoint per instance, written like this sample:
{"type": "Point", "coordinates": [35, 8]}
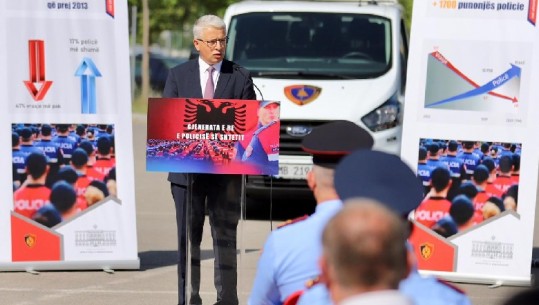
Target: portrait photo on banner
{"type": "Point", "coordinates": [213, 136]}
{"type": "Point", "coordinates": [466, 182]}
{"type": "Point", "coordinates": [60, 170]}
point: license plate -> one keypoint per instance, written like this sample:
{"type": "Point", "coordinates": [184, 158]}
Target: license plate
{"type": "Point", "coordinates": [294, 171]}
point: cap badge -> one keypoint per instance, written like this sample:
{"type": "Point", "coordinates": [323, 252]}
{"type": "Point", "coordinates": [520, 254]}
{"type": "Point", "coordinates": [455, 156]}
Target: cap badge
{"type": "Point", "coordinates": [302, 94]}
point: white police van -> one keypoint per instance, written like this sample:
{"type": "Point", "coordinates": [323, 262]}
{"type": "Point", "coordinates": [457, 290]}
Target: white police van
{"type": "Point", "coordinates": [324, 61]}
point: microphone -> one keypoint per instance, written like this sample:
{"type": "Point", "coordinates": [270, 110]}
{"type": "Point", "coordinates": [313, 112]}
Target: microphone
{"type": "Point", "coordinates": [238, 68]}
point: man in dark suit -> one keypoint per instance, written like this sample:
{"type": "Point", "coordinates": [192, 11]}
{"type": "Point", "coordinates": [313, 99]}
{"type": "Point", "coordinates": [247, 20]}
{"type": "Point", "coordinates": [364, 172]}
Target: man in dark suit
{"type": "Point", "coordinates": [209, 76]}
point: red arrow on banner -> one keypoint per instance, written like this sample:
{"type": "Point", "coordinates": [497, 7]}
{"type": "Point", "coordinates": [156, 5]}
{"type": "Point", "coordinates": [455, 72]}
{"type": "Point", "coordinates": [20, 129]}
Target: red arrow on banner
{"type": "Point", "coordinates": [37, 85]}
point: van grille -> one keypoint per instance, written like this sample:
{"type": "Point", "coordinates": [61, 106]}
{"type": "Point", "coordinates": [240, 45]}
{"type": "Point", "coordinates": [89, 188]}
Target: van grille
{"type": "Point", "coordinates": [291, 135]}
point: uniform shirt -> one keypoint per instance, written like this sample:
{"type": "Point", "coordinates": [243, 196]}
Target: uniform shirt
{"type": "Point", "coordinates": [478, 203]}
{"type": "Point", "coordinates": [104, 165]}
{"type": "Point", "coordinates": [506, 152]}
{"type": "Point", "coordinates": [455, 165]}
{"type": "Point", "coordinates": [51, 150]}
{"type": "Point", "coordinates": [434, 163]}
{"type": "Point", "coordinates": [422, 290]}
{"type": "Point", "coordinates": [431, 210]}
{"type": "Point", "coordinates": [93, 174]}
{"type": "Point", "coordinates": [492, 190]}
{"type": "Point", "coordinates": [471, 160]}
{"type": "Point", "coordinates": [423, 171]}
{"type": "Point", "coordinates": [502, 183]}
{"type": "Point", "coordinates": [265, 148]}
{"type": "Point", "coordinates": [81, 184]}
{"type": "Point", "coordinates": [18, 157]}
{"type": "Point", "coordinates": [429, 290]}
{"type": "Point", "coordinates": [67, 144]}
{"type": "Point", "coordinates": [30, 198]}
{"type": "Point", "coordinates": [285, 264]}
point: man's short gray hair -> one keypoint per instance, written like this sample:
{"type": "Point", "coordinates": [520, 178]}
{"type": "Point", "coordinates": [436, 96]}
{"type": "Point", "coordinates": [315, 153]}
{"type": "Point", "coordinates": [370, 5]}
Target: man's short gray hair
{"type": "Point", "coordinates": [207, 21]}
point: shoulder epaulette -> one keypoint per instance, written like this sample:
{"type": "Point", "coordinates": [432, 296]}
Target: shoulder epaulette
{"type": "Point", "coordinates": [449, 285]}
{"type": "Point", "coordinates": [310, 283]}
{"type": "Point", "coordinates": [292, 221]}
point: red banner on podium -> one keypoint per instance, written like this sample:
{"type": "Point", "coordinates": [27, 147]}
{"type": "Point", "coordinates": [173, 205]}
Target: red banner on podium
{"type": "Point", "coordinates": [188, 135]}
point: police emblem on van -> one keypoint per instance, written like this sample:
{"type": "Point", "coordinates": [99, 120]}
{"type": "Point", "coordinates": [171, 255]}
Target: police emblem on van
{"type": "Point", "coordinates": [302, 94]}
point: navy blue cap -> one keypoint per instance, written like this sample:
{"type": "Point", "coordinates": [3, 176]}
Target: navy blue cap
{"type": "Point", "coordinates": [26, 133]}
{"type": "Point", "coordinates": [446, 227]}
{"type": "Point", "coordinates": [87, 146]}
{"type": "Point", "coordinates": [46, 129]}
{"type": "Point", "coordinates": [63, 196]}
{"type": "Point", "coordinates": [267, 102]}
{"type": "Point", "coordinates": [453, 145]}
{"type": "Point", "coordinates": [468, 189]}
{"type": "Point", "coordinates": [15, 139]}
{"type": "Point", "coordinates": [68, 174]}
{"type": "Point", "coordinates": [329, 142]}
{"type": "Point", "coordinates": [380, 176]}
{"type": "Point", "coordinates": [79, 157]}
{"type": "Point", "coordinates": [48, 216]}
{"type": "Point", "coordinates": [461, 209]}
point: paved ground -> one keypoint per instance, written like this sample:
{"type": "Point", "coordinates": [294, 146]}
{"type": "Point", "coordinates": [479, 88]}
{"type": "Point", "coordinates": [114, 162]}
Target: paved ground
{"type": "Point", "coordinates": [155, 282]}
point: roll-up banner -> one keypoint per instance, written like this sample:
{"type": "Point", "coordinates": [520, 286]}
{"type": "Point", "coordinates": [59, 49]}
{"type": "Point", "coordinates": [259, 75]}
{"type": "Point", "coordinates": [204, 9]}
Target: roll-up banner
{"type": "Point", "coordinates": [68, 189]}
{"type": "Point", "coordinates": [470, 132]}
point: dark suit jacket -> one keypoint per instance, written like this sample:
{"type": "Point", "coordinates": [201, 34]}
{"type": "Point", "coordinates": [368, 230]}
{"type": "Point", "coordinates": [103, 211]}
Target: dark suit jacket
{"type": "Point", "coordinates": [184, 81]}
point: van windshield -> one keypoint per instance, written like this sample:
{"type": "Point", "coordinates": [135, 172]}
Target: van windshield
{"type": "Point", "coordinates": [311, 45]}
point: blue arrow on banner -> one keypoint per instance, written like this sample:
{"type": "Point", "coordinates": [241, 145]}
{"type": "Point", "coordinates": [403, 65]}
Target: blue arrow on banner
{"type": "Point", "coordinates": [87, 71]}
{"type": "Point", "coordinates": [498, 81]}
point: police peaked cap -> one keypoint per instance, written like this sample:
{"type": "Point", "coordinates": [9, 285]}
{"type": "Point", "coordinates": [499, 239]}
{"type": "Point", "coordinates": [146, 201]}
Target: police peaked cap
{"type": "Point", "coordinates": [329, 142]}
{"type": "Point", "coordinates": [380, 176]}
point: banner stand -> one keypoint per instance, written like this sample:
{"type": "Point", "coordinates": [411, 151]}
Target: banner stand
{"type": "Point", "coordinates": [106, 265]}
{"type": "Point", "coordinates": [474, 278]}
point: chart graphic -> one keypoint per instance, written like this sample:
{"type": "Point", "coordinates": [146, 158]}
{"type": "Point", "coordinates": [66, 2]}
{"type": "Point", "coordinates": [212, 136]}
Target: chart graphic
{"type": "Point", "coordinates": [449, 86]}
{"type": "Point", "coordinates": [87, 71]}
{"type": "Point", "coordinates": [37, 84]}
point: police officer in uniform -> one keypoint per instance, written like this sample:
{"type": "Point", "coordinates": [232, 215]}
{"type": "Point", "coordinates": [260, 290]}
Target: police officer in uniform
{"type": "Point", "coordinates": [385, 178]}
{"type": "Point", "coordinates": [285, 265]}
{"type": "Point", "coordinates": [52, 150]}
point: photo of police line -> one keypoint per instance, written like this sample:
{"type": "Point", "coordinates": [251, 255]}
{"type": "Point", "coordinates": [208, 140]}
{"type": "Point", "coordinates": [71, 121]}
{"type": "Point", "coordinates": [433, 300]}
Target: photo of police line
{"type": "Point", "coordinates": [466, 183]}
{"type": "Point", "coordinates": [60, 170]}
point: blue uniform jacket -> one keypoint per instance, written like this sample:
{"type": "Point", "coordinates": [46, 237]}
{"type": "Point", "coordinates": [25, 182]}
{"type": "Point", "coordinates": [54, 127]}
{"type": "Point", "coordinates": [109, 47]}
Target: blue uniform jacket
{"type": "Point", "coordinates": [423, 290]}
{"type": "Point", "coordinates": [290, 257]}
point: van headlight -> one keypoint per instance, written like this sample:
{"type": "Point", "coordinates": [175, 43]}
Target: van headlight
{"type": "Point", "coordinates": [384, 117]}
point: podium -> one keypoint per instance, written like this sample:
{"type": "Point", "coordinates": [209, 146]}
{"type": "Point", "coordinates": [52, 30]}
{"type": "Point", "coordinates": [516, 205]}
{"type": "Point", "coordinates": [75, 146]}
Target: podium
{"type": "Point", "coordinates": [211, 145]}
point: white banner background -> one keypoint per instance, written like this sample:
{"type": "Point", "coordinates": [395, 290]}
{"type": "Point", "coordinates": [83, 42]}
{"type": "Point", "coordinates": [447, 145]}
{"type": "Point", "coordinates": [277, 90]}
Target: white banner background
{"type": "Point", "coordinates": [482, 40]}
{"type": "Point", "coordinates": [74, 33]}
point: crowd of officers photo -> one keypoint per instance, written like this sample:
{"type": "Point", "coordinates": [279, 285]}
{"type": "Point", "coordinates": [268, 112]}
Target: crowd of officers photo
{"type": "Point", "coordinates": [466, 183]}
{"type": "Point", "coordinates": [60, 170]}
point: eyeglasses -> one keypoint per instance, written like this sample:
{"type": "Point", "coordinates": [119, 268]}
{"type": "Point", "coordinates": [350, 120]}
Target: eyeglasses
{"type": "Point", "coordinates": [213, 43]}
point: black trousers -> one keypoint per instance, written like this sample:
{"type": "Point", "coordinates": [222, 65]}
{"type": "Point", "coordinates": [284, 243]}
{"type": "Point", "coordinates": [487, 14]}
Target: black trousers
{"type": "Point", "coordinates": [221, 194]}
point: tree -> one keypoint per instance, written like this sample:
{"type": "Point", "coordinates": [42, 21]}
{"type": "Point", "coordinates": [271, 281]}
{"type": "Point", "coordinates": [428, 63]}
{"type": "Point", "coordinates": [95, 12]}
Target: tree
{"type": "Point", "coordinates": [174, 15]}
